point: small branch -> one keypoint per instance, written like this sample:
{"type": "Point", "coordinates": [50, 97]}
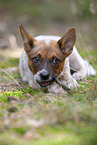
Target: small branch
{"type": "Point", "coordinates": [61, 85]}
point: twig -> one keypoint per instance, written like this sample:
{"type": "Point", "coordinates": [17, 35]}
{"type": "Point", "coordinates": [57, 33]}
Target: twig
{"type": "Point", "coordinates": [61, 85]}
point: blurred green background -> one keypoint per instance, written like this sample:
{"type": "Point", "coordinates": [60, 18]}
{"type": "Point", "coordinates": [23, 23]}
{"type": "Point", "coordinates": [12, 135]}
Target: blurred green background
{"type": "Point", "coordinates": [50, 17]}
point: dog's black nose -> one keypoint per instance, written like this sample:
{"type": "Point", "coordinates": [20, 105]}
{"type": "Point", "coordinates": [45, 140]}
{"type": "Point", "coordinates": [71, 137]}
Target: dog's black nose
{"type": "Point", "coordinates": [44, 75]}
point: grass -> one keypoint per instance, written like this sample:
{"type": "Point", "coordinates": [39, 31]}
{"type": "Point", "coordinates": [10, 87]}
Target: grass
{"type": "Point", "coordinates": [8, 62]}
{"type": "Point", "coordinates": [38, 118]}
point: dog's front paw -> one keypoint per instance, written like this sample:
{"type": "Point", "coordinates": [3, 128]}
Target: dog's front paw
{"type": "Point", "coordinates": [56, 89]}
{"type": "Point", "coordinates": [71, 83]}
{"type": "Point", "coordinates": [79, 75]}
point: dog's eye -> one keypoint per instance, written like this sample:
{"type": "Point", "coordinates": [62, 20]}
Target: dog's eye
{"type": "Point", "coordinates": [36, 59]}
{"type": "Point", "coordinates": [55, 60]}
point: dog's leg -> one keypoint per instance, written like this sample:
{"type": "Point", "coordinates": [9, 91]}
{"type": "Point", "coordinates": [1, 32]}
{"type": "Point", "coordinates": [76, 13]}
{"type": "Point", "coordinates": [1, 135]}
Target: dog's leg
{"type": "Point", "coordinates": [66, 77]}
{"type": "Point", "coordinates": [78, 64]}
{"type": "Point", "coordinates": [55, 88]}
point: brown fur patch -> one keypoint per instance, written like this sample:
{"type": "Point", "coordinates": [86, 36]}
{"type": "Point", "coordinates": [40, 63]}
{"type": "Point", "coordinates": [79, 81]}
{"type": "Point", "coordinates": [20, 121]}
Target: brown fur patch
{"type": "Point", "coordinates": [66, 43]}
{"type": "Point", "coordinates": [46, 53]}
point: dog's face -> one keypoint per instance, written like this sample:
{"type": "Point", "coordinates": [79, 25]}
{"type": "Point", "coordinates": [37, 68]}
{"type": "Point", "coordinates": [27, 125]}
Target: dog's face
{"type": "Point", "coordinates": [46, 58]}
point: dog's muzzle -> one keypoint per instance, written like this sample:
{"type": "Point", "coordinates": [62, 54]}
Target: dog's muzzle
{"type": "Point", "coordinates": [43, 78]}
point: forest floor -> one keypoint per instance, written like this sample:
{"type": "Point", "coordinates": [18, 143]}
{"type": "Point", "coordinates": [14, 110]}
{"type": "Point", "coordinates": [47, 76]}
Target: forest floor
{"type": "Point", "coordinates": [30, 117]}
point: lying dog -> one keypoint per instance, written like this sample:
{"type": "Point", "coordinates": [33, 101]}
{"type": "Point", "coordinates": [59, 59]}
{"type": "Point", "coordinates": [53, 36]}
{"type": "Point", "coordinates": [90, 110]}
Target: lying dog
{"type": "Point", "coordinates": [46, 59]}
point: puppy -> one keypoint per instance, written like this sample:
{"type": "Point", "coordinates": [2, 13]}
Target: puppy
{"type": "Point", "coordinates": [48, 57]}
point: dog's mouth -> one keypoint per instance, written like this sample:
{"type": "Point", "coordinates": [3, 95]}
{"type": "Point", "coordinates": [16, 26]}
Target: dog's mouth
{"type": "Point", "coordinates": [44, 84]}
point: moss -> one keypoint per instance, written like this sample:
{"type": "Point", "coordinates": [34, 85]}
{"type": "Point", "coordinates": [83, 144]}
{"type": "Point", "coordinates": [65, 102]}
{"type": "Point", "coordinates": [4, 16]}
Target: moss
{"type": "Point", "coordinates": [16, 93]}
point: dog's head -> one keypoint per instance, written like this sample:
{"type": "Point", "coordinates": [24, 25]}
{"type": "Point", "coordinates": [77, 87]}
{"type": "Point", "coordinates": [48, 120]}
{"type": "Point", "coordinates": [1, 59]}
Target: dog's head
{"type": "Point", "coordinates": [46, 60]}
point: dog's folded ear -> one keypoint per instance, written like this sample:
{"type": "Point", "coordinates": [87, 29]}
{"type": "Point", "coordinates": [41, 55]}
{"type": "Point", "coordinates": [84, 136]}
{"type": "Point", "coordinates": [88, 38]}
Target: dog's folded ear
{"type": "Point", "coordinates": [66, 43]}
{"type": "Point", "coordinates": [28, 40]}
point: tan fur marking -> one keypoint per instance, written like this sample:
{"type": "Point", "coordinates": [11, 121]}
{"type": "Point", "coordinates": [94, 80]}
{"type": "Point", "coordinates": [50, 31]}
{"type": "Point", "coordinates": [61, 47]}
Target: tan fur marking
{"type": "Point", "coordinates": [47, 53]}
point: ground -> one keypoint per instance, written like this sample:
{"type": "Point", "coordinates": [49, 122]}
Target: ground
{"type": "Point", "coordinates": [30, 117]}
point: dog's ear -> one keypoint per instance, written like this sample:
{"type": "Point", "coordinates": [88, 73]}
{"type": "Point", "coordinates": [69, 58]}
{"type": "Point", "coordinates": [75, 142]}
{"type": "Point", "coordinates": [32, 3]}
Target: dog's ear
{"type": "Point", "coordinates": [28, 40]}
{"type": "Point", "coordinates": [66, 43]}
